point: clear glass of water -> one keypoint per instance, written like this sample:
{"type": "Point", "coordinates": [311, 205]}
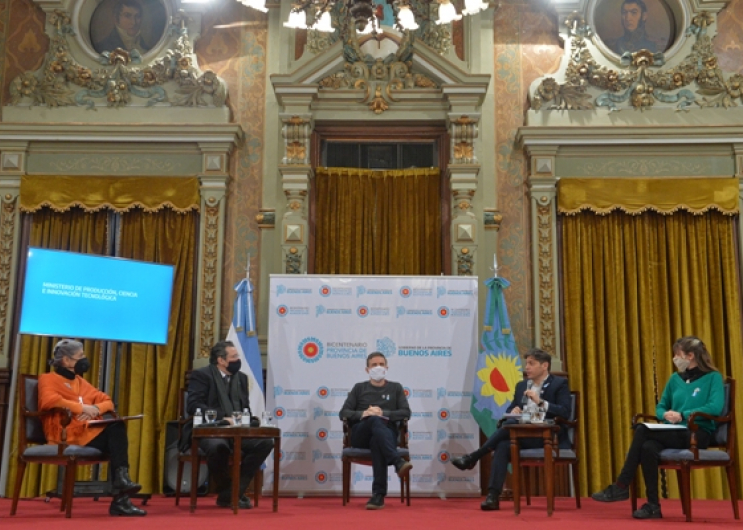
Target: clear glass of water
{"type": "Point", "coordinates": [210, 416]}
{"type": "Point", "coordinates": [265, 415]}
{"type": "Point", "coordinates": [237, 418]}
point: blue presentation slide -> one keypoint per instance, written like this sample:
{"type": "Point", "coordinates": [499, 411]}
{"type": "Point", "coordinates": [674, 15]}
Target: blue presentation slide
{"type": "Point", "coordinates": [87, 296]}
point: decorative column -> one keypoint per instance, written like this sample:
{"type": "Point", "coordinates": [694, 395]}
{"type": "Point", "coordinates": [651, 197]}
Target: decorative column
{"type": "Point", "coordinates": [738, 151]}
{"type": "Point", "coordinates": [543, 193]}
{"type": "Point", "coordinates": [211, 237]}
{"type": "Point", "coordinates": [13, 158]}
{"type": "Point", "coordinates": [296, 175]}
{"type": "Point", "coordinates": [462, 172]}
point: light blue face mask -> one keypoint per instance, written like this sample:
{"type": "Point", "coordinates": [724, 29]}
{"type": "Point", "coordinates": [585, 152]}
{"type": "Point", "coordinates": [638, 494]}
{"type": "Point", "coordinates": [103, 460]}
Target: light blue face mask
{"type": "Point", "coordinates": [378, 373]}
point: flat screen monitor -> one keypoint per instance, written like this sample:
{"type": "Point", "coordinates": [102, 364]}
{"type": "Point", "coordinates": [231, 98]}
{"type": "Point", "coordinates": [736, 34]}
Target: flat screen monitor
{"type": "Point", "coordinates": [85, 296]}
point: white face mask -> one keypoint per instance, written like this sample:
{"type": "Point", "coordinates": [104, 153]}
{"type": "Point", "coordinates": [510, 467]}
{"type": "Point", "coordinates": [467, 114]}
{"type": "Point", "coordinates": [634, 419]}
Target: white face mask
{"type": "Point", "coordinates": [378, 373]}
{"type": "Point", "coordinates": [681, 363]}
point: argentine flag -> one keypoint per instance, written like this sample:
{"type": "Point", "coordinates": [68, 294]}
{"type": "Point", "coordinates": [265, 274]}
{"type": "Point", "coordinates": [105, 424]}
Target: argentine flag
{"type": "Point", "coordinates": [243, 335]}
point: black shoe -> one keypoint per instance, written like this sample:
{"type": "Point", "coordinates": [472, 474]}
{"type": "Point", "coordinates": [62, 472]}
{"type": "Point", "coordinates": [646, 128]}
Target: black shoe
{"type": "Point", "coordinates": [122, 505]}
{"type": "Point", "coordinates": [403, 467]}
{"type": "Point", "coordinates": [376, 502]}
{"type": "Point", "coordinates": [122, 484]}
{"type": "Point", "coordinates": [648, 511]}
{"type": "Point", "coordinates": [226, 502]}
{"type": "Point", "coordinates": [464, 462]}
{"type": "Point", "coordinates": [612, 493]}
{"type": "Point", "coordinates": [491, 502]}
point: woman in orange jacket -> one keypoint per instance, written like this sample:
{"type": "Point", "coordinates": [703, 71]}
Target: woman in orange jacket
{"type": "Point", "coordinates": [65, 388]}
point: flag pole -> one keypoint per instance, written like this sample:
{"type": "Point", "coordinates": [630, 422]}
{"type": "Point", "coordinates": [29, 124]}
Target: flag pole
{"type": "Point", "coordinates": [249, 308]}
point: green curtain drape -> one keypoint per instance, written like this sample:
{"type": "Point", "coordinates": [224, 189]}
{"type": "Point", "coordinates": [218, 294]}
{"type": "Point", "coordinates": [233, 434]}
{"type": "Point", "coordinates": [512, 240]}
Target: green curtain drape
{"type": "Point", "coordinates": [634, 284]}
{"type": "Point", "coordinates": [75, 231]}
{"type": "Point", "coordinates": [164, 237]}
{"type": "Point", "coordinates": [378, 222]}
{"type": "Point", "coordinates": [150, 375]}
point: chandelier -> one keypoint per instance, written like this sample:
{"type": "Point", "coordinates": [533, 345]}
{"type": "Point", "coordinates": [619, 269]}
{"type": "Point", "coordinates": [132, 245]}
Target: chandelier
{"type": "Point", "coordinates": [365, 15]}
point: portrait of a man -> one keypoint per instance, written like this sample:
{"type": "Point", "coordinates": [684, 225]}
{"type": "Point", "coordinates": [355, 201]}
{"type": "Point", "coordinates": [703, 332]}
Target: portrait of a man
{"type": "Point", "coordinates": [132, 25]}
{"type": "Point", "coordinates": [634, 25]}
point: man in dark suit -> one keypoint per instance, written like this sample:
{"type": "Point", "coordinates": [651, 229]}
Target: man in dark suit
{"type": "Point", "coordinates": [540, 390]}
{"type": "Point", "coordinates": [221, 386]}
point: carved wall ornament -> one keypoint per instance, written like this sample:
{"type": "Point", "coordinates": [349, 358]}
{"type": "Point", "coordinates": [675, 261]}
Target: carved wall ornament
{"type": "Point", "coordinates": [9, 215]}
{"type": "Point", "coordinates": [378, 77]}
{"type": "Point", "coordinates": [492, 219]}
{"type": "Point", "coordinates": [545, 271]}
{"type": "Point", "coordinates": [209, 280]}
{"type": "Point", "coordinates": [297, 132]}
{"type": "Point", "coordinates": [266, 219]}
{"type": "Point", "coordinates": [293, 261]}
{"type": "Point", "coordinates": [465, 262]}
{"type": "Point", "coordinates": [640, 81]}
{"type": "Point", "coordinates": [172, 78]}
{"type": "Point", "coordinates": [463, 131]}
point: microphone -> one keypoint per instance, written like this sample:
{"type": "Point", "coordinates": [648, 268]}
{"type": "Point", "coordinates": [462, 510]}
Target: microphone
{"type": "Point", "coordinates": [525, 398]}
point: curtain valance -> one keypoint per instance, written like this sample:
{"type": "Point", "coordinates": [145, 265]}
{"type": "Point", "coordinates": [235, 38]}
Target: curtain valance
{"type": "Point", "coordinates": [60, 193]}
{"type": "Point", "coordinates": [634, 196]}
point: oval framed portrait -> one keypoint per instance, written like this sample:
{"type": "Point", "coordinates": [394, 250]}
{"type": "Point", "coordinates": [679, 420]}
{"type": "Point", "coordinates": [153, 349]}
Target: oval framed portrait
{"type": "Point", "coordinates": [632, 25]}
{"type": "Point", "coordinates": [128, 24]}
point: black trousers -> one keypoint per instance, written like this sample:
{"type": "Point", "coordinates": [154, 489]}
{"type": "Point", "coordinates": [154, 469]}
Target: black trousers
{"type": "Point", "coordinates": [217, 450]}
{"type": "Point", "coordinates": [500, 443]}
{"type": "Point", "coordinates": [645, 451]}
{"type": "Point", "coordinates": [376, 434]}
{"type": "Point", "coordinates": [113, 441]}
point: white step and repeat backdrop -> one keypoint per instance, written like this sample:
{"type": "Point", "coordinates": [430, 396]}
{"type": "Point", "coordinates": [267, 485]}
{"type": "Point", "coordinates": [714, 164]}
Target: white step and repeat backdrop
{"type": "Point", "coordinates": [321, 328]}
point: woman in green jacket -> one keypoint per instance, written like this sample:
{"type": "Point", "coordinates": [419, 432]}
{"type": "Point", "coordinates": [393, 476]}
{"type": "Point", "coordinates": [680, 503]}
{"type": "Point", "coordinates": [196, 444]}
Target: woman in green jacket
{"type": "Point", "coordinates": [696, 387]}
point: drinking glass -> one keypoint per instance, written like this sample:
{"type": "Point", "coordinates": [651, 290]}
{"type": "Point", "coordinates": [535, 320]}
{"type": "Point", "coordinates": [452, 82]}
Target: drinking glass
{"type": "Point", "coordinates": [211, 416]}
{"type": "Point", "coordinates": [265, 415]}
{"type": "Point", "coordinates": [237, 417]}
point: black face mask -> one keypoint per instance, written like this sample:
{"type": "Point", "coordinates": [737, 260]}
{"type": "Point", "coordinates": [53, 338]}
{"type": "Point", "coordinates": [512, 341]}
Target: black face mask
{"type": "Point", "coordinates": [234, 366]}
{"type": "Point", "coordinates": [82, 366]}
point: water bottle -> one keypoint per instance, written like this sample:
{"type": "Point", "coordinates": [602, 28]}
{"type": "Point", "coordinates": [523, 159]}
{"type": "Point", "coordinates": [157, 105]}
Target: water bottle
{"type": "Point", "coordinates": [198, 419]}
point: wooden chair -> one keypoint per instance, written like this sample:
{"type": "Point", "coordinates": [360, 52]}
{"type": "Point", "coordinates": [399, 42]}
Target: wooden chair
{"type": "Point", "coordinates": [33, 447]}
{"type": "Point", "coordinates": [562, 457]}
{"type": "Point", "coordinates": [720, 453]}
{"type": "Point", "coordinates": [185, 457]}
{"type": "Point", "coordinates": [353, 455]}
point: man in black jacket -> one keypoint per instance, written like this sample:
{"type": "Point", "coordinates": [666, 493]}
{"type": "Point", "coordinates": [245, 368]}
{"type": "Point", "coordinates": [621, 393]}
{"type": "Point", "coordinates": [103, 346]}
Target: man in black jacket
{"type": "Point", "coordinates": [540, 389]}
{"type": "Point", "coordinates": [373, 408]}
{"type": "Point", "coordinates": [223, 387]}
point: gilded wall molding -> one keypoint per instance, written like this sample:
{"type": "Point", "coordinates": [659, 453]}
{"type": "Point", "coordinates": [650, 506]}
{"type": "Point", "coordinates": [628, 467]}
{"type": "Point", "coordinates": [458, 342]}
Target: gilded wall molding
{"type": "Point", "coordinates": [463, 131]}
{"type": "Point", "coordinates": [118, 164]}
{"type": "Point", "coordinates": [66, 78]}
{"type": "Point", "coordinates": [209, 288]}
{"type": "Point", "coordinates": [546, 268]}
{"type": "Point", "coordinates": [297, 132]}
{"type": "Point", "coordinates": [8, 244]}
{"type": "Point", "coordinates": [636, 166]}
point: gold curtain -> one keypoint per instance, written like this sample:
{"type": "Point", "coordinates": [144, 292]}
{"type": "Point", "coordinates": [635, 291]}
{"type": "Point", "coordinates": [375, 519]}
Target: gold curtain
{"type": "Point", "coordinates": [378, 222]}
{"type": "Point", "coordinates": [633, 284]}
{"type": "Point", "coordinates": [151, 375]}
{"type": "Point", "coordinates": [119, 194]}
{"type": "Point", "coordinates": [75, 231]}
{"type": "Point", "coordinates": [638, 195]}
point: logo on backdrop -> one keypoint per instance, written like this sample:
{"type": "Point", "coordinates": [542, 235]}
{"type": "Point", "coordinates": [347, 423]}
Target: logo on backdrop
{"type": "Point", "coordinates": [283, 289]}
{"type": "Point", "coordinates": [387, 346]}
{"type": "Point", "coordinates": [440, 477]}
{"type": "Point", "coordinates": [323, 392]}
{"type": "Point", "coordinates": [362, 290]}
{"type": "Point", "coordinates": [442, 392]}
{"type": "Point", "coordinates": [405, 291]}
{"type": "Point", "coordinates": [440, 291]}
{"type": "Point", "coordinates": [444, 457]}
{"type": "Point", "coordinates": [279, 413]}
{"type": "Point", "coordinates": [362, 311]}
{"type": "Point", "coordinates": [282, 310]}
{"type": "Point", "coordinates": [322, 434]}
{"type": "Point", "coordinates": [325, 290]}
{"type": "Point", "coordinates": [443, 311]}
{"type": "Point", "coordinates": [444, 414]}
{"type": "Point", "coordinates": [321, 477]}
{"type": "Point", "coordinates": [310, 350]}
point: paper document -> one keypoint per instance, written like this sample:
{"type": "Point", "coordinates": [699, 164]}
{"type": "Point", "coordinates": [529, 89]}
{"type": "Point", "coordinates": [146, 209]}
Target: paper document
{"type": "Point", "coordinates": [106, 421]}
{"type": "Point", "coordinates": [662, 426]}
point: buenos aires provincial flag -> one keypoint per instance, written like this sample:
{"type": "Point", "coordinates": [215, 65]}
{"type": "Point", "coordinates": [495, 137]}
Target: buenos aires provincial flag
{"type": "Point", "coordinates": [243, 335]}
{"type": "Point", "coordinates": [498, 362]}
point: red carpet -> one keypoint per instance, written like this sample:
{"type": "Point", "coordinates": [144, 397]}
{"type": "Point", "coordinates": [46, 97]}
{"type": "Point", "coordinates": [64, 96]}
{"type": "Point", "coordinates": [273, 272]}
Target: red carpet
{"type": "Point", "coordinates": [329, 513]}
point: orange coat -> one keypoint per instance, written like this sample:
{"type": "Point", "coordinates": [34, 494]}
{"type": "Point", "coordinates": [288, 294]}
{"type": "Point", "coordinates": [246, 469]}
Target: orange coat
{"type": "Point", "coordinates": [56, 391]}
